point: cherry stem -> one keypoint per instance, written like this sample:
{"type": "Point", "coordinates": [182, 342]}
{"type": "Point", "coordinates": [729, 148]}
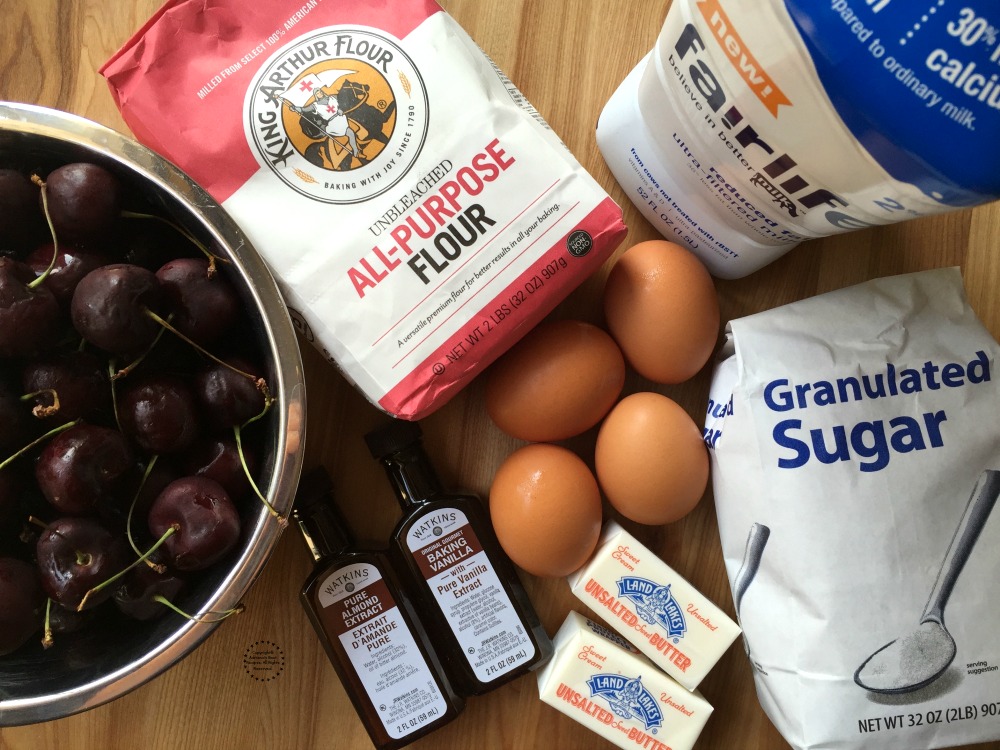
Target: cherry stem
{"type": "Point", "coordinates": [259, 383]}
{"type": "Point", "coordinates": [47, 639]}
{"type": "Point", "coordinates": [268, 401]}
{"type": "Point", "coordinates": [215, 616]}
{"type": "Point", "coordinates": [127, 370]}
{"type": "Point", "coordinates": [38, 522]}
{"type": "Point", "coordinates": [131, 508]}
{"type": "Point", "coordinates": [52, 230]}
{"type": "Point", "coordinates": [40, 410]}
{"type": "Point", "coordinates": [37, 441]}
{"type": "Point", "coordinates": [282, 521]}
{"type": "Point", "coordinates": [112, 368]}
{"type": "Point", "coordinates": [174, 528]}
{"type": "Point", "coordinates": [212, 257]}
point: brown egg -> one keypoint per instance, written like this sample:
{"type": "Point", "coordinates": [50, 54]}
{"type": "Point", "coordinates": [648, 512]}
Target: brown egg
{"type": "Point", "coordinates": [558, 381]}
{"type": "Point", "coordinates": [661, 307]}
{"type": "Point", "coordinates": [650, 458]}
{"type": "Point", "coordinates": [546, 509]}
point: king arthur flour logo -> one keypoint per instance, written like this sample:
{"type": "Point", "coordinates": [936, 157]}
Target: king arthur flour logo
{"type": "Point", "coordinates": [339, 115]}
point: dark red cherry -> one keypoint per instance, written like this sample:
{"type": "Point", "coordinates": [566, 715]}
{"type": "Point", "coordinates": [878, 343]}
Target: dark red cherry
{"type": "Point", "coordinates": [79, 468]}
{"type": "Point", "coordinates": [204, 307]}
{"type": "Point", "coordinates": [159, 413]}
{"type": "Point", "coordinates": [219, 459]}
{"type": "Point", "coordinates": [16, 428]}
{"type": "Point", "coordinates": [72, 263]}
{"type": "Point", "coordinates": [208, 526]}
{"type": "Point", "coordinates": [23, 602]}
{"type": "Point", "coordinates": [78, 379]}
{"type": "Point", "coordinates": [63, 621]}
{"type": "Point", "coordinates": [109, 307]}
{"type": "Point", "coordinates": [29, 316]}
{"type": "Point", "coordinates": [135, 597]}
{"type": "Point", "coordinates": [229, 398]}
{"type": "Point", "coordinates": [20, 218]}
{"type": "Point", "coordinates": [84, 200]}
{"type": "Point", "coordinates": [75, 555]}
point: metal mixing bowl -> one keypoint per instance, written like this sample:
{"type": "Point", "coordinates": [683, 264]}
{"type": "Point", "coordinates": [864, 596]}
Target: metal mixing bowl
{"type": "Point", "coordinates": [91, 668]}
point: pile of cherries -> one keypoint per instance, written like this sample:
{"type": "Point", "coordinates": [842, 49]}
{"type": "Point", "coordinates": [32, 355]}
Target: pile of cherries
{"type": "Point", "coordinates": [132, 405]}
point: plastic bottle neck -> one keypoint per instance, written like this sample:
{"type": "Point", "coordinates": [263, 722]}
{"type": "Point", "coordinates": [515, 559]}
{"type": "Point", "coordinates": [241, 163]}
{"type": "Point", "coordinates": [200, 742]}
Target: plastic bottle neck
{"type": "Point", "coordinates": [412, 476]}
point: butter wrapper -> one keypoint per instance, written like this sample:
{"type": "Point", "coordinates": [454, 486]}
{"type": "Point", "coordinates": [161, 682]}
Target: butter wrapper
{"type": "Point", "coordinates": [604, 683]}
{"type": "Point", "coordinates": [650, 604]}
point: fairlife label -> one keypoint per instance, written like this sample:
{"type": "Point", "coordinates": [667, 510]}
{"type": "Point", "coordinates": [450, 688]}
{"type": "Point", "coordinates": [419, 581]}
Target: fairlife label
{"type": "Point", "coordinates": [753, 126]}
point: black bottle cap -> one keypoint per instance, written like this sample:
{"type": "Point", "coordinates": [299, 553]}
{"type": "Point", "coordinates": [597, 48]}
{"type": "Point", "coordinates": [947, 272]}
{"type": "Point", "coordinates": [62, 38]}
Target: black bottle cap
{"type": "Point", "coordinates": [323, 527]}
{"type": "Point", "coordinates": [391, 437]}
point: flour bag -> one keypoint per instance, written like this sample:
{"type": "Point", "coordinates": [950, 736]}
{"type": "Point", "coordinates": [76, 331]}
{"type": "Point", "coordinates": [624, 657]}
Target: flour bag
{"type": "Point", "coordinates": [855, 441]}
{"type": "Point", "coordinates": [417, 212]}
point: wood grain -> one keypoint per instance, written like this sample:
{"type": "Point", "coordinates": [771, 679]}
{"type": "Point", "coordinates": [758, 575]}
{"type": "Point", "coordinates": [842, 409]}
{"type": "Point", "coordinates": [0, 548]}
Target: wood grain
{"type": "Point", "coordinates": [567, 57]}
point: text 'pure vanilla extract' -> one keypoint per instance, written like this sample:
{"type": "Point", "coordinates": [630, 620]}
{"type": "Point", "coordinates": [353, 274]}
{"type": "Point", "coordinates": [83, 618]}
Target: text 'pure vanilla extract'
{"type": "Point", "coordinates": [465, 586]}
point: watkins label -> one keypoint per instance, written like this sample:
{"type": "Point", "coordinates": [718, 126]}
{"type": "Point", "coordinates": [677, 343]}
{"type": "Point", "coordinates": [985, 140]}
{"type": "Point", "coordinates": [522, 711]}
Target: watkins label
{"type": "Point", "coordinates": [654, 604]}
{"type": "Point", "coordinates": [627, 697]}
{"type": "Point", "coordinates": [433, 526]}
{"type": "Point", "coordinates": [466, 587]}
{"type": "Point", "coordinates": [357, 607]}
{"type": "Point", "coordinates": [339, 115]}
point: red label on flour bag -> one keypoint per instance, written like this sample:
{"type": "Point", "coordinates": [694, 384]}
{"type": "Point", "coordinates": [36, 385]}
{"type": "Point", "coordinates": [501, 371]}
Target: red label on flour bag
{"type": "Point", "coordinates": [412, 248]}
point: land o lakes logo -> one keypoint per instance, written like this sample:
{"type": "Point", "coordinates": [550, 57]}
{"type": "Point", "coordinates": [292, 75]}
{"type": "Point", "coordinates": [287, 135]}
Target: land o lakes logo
{"type": "Point", "coordinates": [654, 604]}
{"type": "Point", "coordinates": [627, 697]}
{"type": "Point", "coordinates": [340, 115]}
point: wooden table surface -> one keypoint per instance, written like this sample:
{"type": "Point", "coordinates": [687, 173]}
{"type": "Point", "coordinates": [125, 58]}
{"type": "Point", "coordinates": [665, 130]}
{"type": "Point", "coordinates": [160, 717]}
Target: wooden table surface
{"type": "Point", "coordinates": [567, 57]}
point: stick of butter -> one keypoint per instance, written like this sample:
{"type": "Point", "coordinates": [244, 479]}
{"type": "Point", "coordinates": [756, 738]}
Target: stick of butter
{"type": "Point", "coordinates": [646, 601]}
{"type": "Point", "coordinates": [601, 681]}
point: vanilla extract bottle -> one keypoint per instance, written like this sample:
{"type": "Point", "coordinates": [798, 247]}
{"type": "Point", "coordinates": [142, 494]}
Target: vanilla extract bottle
{"type": "Point", "coordinates": [464, 585]}
{"type": "Point", "coordinates": [369, 629]}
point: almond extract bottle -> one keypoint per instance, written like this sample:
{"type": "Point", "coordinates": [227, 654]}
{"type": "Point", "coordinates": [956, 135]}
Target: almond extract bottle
{"type": "Point", "coordinates": [371, 634]}
{"type": "Point", "coordinates": [463, 583]}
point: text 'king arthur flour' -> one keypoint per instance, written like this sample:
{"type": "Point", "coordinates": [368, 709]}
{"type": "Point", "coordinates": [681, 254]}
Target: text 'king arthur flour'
{"type": "Point", "coordinates": [419, 214]}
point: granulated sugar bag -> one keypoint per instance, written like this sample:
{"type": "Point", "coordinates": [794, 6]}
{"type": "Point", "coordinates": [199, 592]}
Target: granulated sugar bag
{"type": "Point", "coordinates": [418, 213]}
{"type": "Point", "coordinates": [856, 462]}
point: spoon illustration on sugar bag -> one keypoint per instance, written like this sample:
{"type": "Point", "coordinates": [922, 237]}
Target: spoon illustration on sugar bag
{"type": "Point", "coordinates": [756, 541]}
{"type": "Point", "coordinates": [918, 658]}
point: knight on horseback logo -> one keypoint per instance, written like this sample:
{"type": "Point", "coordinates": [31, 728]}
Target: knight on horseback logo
{"type": "Point", "coordinates": [340, 115]}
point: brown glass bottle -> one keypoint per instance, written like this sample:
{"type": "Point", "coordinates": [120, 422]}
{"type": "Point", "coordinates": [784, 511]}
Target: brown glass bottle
{"type": "Point", "coordinates": [464, 585]}
{"type": "Point", "coordinates": [369, 628]}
